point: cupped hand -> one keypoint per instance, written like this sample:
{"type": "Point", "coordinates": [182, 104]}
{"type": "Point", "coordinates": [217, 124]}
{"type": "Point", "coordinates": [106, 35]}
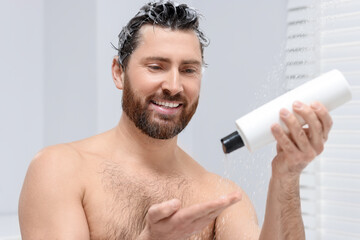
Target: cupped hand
{"type": "Point", "coordinates": [167, 220]}
{"type": "Point", "coordinates": [296, 149]}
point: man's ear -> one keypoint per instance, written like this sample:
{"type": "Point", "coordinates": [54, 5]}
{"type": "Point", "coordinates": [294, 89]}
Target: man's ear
{"type": "Point", "coordinates": [117, 73]}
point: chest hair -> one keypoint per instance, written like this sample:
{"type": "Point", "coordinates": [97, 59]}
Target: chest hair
{"type": "Point", "coordinates": [131, 195]}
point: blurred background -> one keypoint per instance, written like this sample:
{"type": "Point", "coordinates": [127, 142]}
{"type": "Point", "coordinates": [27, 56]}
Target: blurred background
{"type": "Point", "coordinates": [56, 85]}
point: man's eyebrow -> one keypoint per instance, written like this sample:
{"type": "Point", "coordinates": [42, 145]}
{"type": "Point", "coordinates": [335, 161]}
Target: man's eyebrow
{"type": "Point", "coordinates": [195, 62]}
{"type": "Point", "coordinates": [155, 58]}
{"type": "Point", "coordinates": [167, 60]}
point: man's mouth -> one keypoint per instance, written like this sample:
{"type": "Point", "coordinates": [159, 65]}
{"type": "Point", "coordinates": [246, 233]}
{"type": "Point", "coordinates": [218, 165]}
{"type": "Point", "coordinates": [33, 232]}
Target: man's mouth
{"type": "Point", "coordinates": [166, 104]}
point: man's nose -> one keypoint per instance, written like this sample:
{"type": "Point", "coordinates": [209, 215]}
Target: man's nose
{"type": "Point", "coordinates": [173, 83]}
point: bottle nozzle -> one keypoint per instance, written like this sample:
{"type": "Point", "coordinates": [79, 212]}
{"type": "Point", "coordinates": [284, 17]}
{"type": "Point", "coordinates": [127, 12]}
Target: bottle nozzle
{"type": "Point", "coordinates": [232, 142]}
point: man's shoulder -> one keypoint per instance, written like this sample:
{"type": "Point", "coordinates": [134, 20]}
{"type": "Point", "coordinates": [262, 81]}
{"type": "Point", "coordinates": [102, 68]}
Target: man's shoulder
{"type": "Point", "coordinates": [223, 183]}
{"type": "Point", "coordinates": [71, 153]}
{"type": "Point", "coordinates": [59, 159]}
{"type": "Point", "coordinates": [58, 150]}
{"type": "Point", "coordinates": [63, 151]}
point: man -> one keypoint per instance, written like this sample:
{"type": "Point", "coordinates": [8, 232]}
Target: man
{"type": "Point", "coordinates": [134, 182]}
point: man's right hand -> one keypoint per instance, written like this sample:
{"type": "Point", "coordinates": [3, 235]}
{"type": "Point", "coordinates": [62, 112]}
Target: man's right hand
{"type": "Point", "coordinates": [167, 221]}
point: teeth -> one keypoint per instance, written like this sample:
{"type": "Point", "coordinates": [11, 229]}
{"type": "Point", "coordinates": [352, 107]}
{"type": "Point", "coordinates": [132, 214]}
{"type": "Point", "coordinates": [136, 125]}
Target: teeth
{"type": "Point", "coordinates": [167, 104]}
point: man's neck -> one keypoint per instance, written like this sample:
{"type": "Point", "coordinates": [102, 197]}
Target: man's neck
{"type": "Point", "coordinates": [156, 153]}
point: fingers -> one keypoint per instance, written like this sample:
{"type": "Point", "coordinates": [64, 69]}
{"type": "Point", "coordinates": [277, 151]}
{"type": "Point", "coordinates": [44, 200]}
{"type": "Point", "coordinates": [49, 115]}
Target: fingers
{"type": "Point", "coordinates": [324, 117]}
{"type": "Point", "coordinates": [209, 209]}
{"type": "Point", "coordinates": [297, 133]}
{"type": "Point", "coordinates": [301, 145]}
{"type": "Point", "coordinates": [318, 120]}
{"type": "Point", "coordinates": [315, 135]}
{"type": "Point", "coordinates": [204, 219]}
{"type": "Point", "coordinates": [167, 219]}
{"type": "Point", "coordinates": [315, 130]}
{"type": "Point", "coordinates": [282, 139]}
{"type": "Point", "coordinates": [196, 217]}
{"type": "Point", "coordinates": [163, 210]}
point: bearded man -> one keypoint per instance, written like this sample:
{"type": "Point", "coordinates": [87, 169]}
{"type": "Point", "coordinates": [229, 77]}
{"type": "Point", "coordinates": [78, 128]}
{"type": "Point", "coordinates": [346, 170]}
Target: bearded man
{"type": "Point", "coordinates": [134, 181]}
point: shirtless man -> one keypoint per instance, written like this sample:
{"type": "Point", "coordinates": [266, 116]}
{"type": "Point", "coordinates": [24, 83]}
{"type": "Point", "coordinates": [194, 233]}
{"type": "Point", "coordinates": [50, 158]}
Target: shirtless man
{"type": "Point", "coordinates": [134, 182]}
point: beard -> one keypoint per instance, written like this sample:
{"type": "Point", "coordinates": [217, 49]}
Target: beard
{"type": "Point", "coordinates": [139, 113]}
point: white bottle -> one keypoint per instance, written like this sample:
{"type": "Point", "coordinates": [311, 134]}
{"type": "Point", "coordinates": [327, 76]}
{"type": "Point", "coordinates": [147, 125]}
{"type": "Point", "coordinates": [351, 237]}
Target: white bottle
{"type": "Point", "coordinates": [254, 129]}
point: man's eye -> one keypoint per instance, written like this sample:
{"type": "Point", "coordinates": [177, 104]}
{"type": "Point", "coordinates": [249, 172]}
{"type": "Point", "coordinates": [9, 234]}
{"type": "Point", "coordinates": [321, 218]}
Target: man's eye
{"type": "Point", "coordinates": [154, 67]}
{"type": "Point", "coordinates": [189, 70]}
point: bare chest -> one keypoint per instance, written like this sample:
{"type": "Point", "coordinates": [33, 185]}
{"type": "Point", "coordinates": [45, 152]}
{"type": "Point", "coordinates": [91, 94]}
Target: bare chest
{"type": "Point", "coordinates": [121, 200]}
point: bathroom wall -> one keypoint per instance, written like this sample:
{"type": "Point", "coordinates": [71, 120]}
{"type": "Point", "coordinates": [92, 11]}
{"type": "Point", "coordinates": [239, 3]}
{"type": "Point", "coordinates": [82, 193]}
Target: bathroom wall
{"type": "Point", "coordinates": [69, 70]}
{"type": "Point", "coordinates": [57, 87]}
{"type": "Point", "coordinates": [21, 100]}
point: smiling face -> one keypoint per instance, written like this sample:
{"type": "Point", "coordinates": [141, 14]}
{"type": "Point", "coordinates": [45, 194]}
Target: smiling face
{"type": "Point", "coordinates": [161, 83]}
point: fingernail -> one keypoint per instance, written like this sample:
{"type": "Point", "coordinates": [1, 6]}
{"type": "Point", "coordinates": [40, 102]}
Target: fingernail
{"type": "Point", "coordinates": [315, 106]}
{"type": "Point", "coordinates": [298, 105]}
{"type": "Point", "coordinates": [284, 112]}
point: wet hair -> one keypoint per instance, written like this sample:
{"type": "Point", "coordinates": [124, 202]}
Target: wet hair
{"type": "Point", "coordinates": [164, 14]}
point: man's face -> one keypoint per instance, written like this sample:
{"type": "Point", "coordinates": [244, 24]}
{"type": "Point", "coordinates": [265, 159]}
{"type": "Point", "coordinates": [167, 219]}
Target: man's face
{"type": "Point", "coordinates": [162, 81]}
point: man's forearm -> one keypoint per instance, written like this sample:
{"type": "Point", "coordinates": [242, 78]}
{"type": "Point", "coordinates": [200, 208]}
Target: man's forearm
{"type": "Point", "coordinates": [283, 218]}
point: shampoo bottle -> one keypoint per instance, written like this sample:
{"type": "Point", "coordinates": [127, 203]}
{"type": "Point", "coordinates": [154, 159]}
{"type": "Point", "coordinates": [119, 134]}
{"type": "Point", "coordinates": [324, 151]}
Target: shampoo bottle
{"type": "Point", "coordinates": [254, 129]}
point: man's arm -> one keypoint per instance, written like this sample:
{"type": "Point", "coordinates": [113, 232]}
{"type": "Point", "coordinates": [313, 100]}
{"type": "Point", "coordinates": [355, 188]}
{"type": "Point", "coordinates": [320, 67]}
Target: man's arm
{"type": "Point", "coordinates": [50, 204]}
{"type": "Point", "coordinates": [295, 150]}
{"type": "Point", "coordinates": [283, 218]}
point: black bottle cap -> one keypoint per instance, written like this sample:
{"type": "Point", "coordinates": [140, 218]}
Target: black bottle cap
{"type": "Point", "coordinates": [232, 142]}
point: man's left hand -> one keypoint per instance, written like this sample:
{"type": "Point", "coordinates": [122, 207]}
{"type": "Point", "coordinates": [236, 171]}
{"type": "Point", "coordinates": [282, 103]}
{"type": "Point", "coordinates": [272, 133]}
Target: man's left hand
{"type": "Point", "coordinates": [296, 149]}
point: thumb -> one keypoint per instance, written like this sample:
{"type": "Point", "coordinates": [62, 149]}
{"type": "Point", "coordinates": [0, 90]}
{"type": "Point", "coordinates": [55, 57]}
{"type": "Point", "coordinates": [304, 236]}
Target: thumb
{"type": "Point", "coordinates": [158, 212]}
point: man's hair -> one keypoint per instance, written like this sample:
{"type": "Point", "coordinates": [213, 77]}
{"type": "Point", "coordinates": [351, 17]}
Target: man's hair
{"type": "Point", "coordinates": [164, 14]}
